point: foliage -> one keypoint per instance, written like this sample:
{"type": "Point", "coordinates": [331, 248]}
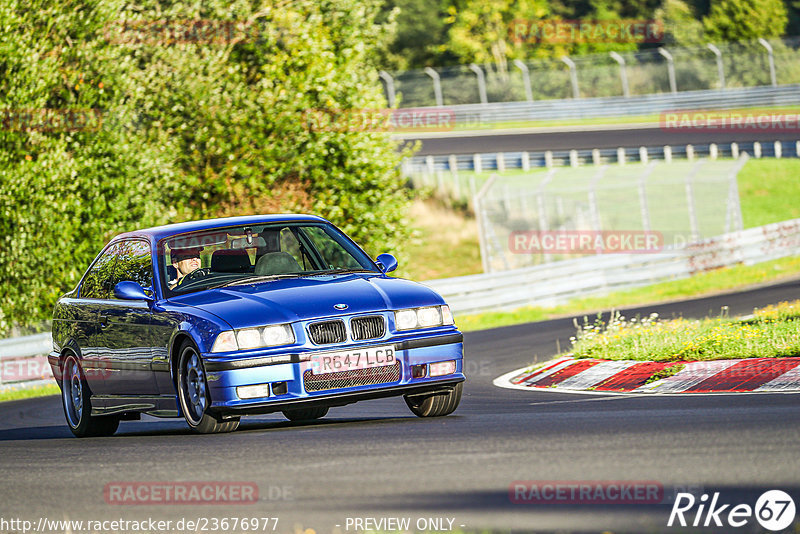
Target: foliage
{"type": "Point", "coordinates": [682, 27]}
{"type": "Point", "coordinates": [191, 128]}
{"type": "Point", "coordinates": [772, 333]}
{"type": "Point", "coordinates": [482, 31]}
{"type": "Point", "coordinates": [739, 20]}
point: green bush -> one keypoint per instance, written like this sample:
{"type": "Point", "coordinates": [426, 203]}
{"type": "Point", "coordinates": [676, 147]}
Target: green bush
{"type": "Point", "coordinates": [190, 129]}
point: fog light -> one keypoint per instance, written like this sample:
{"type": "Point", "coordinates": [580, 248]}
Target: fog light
{"type": "Point", "coordinates": [443, 368]}
{"type": "Point", "coordinates": [280, 388]}
{"type": "Point", "coordinates": [253, 392]}
{"type": "Point", "coordinates": [418, 371]}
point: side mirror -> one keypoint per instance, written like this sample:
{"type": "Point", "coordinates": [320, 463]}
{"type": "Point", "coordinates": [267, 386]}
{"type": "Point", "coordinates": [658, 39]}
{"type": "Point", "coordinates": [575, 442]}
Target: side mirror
{"type": "Point", "coordinates": [127, 290]}
{"type": "Point", "coordinates": [387, 263]}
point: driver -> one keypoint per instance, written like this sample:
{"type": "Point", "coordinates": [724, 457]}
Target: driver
{"type": "Point", "coordinates": [185, 261]}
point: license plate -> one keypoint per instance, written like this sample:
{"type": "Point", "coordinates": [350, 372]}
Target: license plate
{"type": "Point", "coordinates": [350, 360]}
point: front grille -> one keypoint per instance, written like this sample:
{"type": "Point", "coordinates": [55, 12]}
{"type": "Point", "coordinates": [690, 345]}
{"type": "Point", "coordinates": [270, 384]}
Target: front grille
{"type": "Point", "coordinates": [349, 379]}
{"type": "Point", "coordinates": [327, 332]}
{"type": "Point", "coordinates": [371, 327]}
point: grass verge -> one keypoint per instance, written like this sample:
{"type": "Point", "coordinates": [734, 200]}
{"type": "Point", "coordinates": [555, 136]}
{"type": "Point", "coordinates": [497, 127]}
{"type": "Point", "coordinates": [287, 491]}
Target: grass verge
{"type": "Point", "coordinates": [699, 285]}
{"type": "Point", "coordinates": [40, 391]}
{"type": "Point", "coordinates": [772, 332]}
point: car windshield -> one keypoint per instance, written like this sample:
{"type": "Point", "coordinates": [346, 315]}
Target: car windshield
{"type": "Point", "coordinates": [228, 256]}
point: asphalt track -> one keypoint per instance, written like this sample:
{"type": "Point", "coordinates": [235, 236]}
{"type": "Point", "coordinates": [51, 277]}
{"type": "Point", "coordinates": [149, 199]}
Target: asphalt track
{"type": "Point", "coordinates": [375, 459]}
{"type": "Point", "coordinates": [588, 139]}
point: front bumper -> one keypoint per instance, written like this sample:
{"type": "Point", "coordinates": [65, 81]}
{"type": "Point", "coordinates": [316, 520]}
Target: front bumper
{"type": "Point", "coordinates": [225, 375]}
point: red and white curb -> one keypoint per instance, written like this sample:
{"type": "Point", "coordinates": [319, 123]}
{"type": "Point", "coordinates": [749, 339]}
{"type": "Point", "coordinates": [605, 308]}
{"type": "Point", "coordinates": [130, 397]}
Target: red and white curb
{"type": "Point", "coordinates": [751, 375]}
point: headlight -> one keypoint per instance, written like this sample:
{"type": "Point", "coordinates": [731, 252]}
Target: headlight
{"type": "Point", "coordinates": [427, 317]}
{"type": "Point", "coordinates": [225, 342]}
{"type": "Point", "coordinates": [405, 319]}
{"type": "Point", "coordinates": [252, 338]}
{"type": "Point", "coordinates": [278, 334]}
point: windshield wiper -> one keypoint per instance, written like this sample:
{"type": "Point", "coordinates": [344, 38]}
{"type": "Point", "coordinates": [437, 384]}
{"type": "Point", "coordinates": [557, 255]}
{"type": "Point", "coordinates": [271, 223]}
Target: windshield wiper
{"type": "Point", "coordinates": [336, 271]}
{"type": "Point", "coordinates": [253, 279]}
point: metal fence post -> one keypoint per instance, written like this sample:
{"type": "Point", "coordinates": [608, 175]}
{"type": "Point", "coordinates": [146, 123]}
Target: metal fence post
{"type": "Point", "coordinates": [480, 217]}
{"type": "Point", "coordinates": [673, 86]}
{"type": "Point", "coordinates": [481, 82]}
{"type": "Point", "coordinates": [437, 85]}
{"type": "Point", "coordinates": [690, 204]}
{"type": "Point", "coordinates": [389, 81]}
{"type": "Point", "coordinates": [526, 161]}
{"type": "Point", "coordinates": [540, 206]}
{"type": "Point", "coordinates": [773, 78]}
{"type": "Point", "coordinates": [573, 76]}
{"type": "Point", "coordinates": [526, 79]}
{"type": "Point", "coordinates": [643, 206]}
{"type": "Point", "coordinates": [720, 69]}
{"type": "Point", "coordinates": [623, 73]}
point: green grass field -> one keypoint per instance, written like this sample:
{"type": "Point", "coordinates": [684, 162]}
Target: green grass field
{"type": "Point", "coordinates": [772, 332]}
{"type": "Point", "coordinates": [41, 391]}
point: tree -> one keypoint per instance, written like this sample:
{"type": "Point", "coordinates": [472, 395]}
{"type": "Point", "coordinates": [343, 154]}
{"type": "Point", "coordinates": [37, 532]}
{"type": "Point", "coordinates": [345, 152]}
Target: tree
{"type": "Point", "coordinates": [681, 24]}
{"type": "Point", "coordinates": [741, 20]}
{"type": "Point", "coordinates": [193, 125]}
{"type": "Point", "coordinates": [487, 31]}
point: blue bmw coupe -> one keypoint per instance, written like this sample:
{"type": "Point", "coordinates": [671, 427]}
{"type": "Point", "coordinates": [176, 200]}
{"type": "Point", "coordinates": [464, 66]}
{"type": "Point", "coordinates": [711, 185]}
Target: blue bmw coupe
{"type": "Point", "coordinates": [216, 319]}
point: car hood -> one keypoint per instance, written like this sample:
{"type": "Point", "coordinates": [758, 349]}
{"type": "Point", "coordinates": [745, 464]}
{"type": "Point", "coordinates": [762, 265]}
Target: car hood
{"type": "Point", "coordinates": [313, 297]}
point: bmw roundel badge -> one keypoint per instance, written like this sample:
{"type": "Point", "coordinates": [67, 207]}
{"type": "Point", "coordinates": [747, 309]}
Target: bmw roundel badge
{"type": "Point", "coordinates": [340, 306]}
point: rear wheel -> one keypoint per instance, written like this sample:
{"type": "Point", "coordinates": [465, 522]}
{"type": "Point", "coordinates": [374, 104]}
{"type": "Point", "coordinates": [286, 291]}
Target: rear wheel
{"type": "Point", "coordinates": [194, 397]}
{"type": "Point", "coordinates": [435, 405]}
{"type": "Point", "coordinates": [305, 414]}
{"type": "Point", "coordinates": [77, 404]}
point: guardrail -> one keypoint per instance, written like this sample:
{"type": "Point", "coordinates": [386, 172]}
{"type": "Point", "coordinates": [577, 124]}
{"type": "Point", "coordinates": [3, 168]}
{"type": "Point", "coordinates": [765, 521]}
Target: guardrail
{"type": "Point", "coordinates": [501, 161]}
{"type": "Point", "coordinates": [550, 284]}
{"type": "Point", "coordinates": [482, 115]}
{"type": "Point", "coordinates": [23, 362]}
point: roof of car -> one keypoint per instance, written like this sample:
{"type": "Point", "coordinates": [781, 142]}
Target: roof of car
{"type": "Point", "coordinates": [160, 232]}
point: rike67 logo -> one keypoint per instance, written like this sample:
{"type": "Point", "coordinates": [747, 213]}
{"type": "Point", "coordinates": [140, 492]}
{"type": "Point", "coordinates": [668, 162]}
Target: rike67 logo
{"type": "Point", "coordinates": [774, 510]}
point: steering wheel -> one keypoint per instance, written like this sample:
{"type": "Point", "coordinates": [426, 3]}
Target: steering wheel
{"type": "Point", "coordinates": [197, 274]}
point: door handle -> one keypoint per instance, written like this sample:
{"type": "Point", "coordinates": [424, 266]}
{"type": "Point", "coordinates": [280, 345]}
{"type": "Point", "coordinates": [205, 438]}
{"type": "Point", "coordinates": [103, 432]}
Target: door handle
{"type": "Point", "coordinates": [103, 321]}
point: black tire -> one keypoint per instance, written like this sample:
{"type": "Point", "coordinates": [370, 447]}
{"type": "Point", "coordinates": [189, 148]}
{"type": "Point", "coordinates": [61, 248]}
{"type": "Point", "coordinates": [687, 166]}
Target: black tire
{"type": "Point", "coordinates": [75, 399]}
{"type": "Point", "coordinates": [193, 394]}
{"type": "Point", "coordinates": [436, 405]}
{"type": "Point", "coordinates": [305, 414]}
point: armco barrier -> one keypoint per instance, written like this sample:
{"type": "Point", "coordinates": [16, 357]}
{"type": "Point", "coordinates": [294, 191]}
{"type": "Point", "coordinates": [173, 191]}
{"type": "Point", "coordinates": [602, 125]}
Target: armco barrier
{"type": "Point", "coordinates": [482, 115]}
{"type": "Point", "coordinates": [555, 283]}
{"type": "Point", "coordinates": [23, 361]}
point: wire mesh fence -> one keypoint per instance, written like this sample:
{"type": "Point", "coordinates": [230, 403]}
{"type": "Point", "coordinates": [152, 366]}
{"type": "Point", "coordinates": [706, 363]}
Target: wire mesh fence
{"type": "Point", "coordinates": [650, 71]}
{"type": "Point", "coordinates": [567, 212]}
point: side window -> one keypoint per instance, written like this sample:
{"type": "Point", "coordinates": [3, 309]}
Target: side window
{"type": "Point", "coordinates": [134, 263]}
{"type": "Point", "coordinates": [97, 283]}
{"type": "Point", "coordinates": [289, 244]}
{"type": "Point", "coordinates": [333, 253]}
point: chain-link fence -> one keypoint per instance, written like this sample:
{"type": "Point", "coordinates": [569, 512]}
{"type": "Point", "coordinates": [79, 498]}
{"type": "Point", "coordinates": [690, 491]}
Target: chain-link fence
{"type": "Point", "coordinates": [651, 71]}
{"type": "Point", "coordinates": [560, 213]}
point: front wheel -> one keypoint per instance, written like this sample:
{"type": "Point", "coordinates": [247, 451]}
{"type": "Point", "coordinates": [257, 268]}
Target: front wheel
{"type": "Point", "coordinates": [78, 407]}
{"type": "Point", "coordinates": [436, 405]}
{"type": "Point", "coordinates": [194, 397]}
